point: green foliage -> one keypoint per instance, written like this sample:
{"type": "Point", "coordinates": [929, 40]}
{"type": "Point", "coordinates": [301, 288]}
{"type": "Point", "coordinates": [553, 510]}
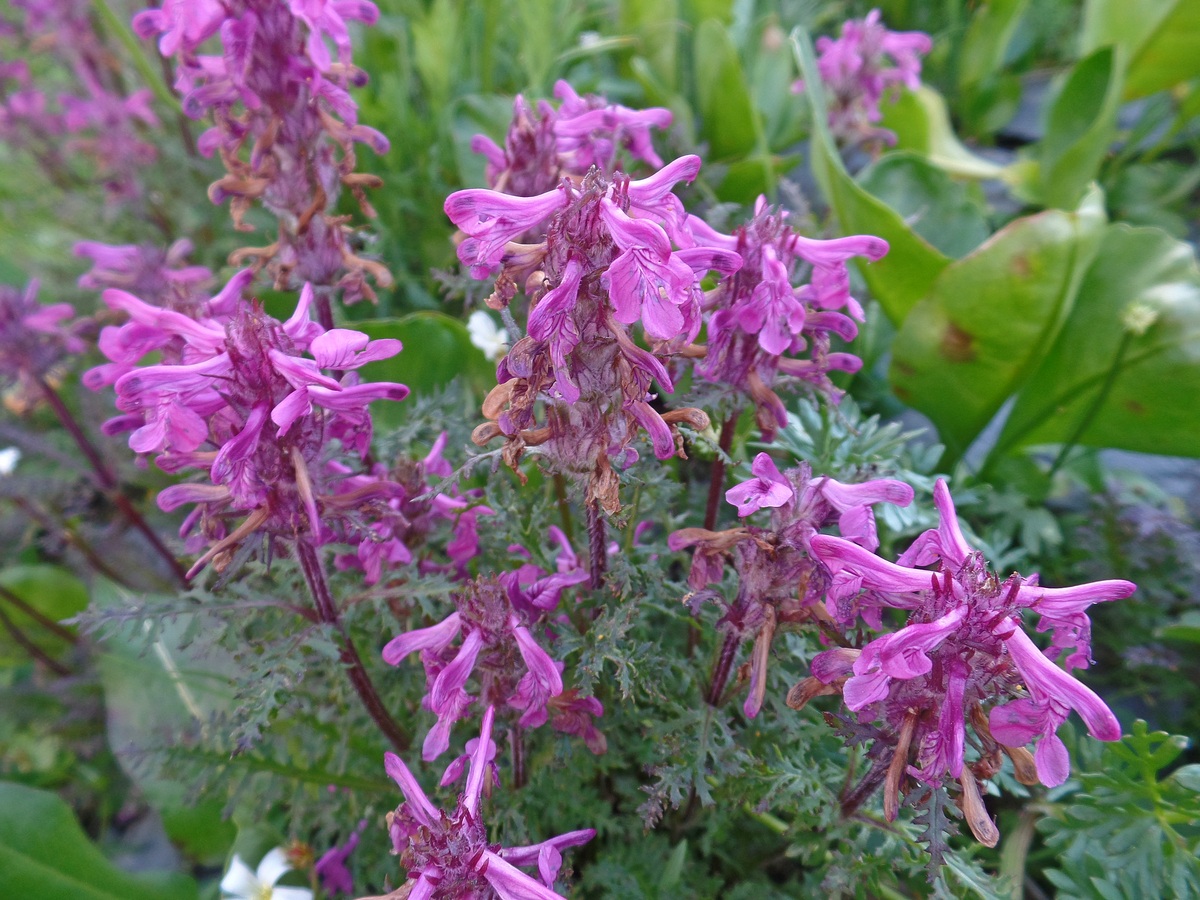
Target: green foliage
{"type": "Point", "coordinates": [1158, 38]}
{"type": "Point", "coordinates": [45, 854]}
{"type": "Point", "coordinates": [990, 318]}
{"type": "Point", "coordinates": [1129, 830]}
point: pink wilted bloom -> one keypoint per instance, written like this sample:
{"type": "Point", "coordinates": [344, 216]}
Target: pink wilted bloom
{"type": "Point", "coordinates": [494, 622]}
{"type": "Point", "coordinates": [780, 580]}
{"type": "Point", "coordinates": [771, 323]}
{"type": "Point", "coordinates": [447, 854]}
{"type": "Point", "coordinates": [861, 67]}
{"type": "Point", "coordinates": [284, 126]}
{"type": "Point", "coordinates": [962, 653]}
{"type": "Point", "coordinates": [596, 256]}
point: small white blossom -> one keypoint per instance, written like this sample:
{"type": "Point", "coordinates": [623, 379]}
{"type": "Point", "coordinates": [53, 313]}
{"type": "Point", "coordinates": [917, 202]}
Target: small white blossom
{"type": "Point", "coordinates": [486, 335]}
{"type": "Point", "coordinates": [9, 457]}
{"type": "Point", "coordinates": [240, 883]}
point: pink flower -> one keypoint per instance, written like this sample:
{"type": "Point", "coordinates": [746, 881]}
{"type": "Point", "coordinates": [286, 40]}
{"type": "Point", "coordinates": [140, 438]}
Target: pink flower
{"type": "Point", "coordinates": [768, 490]}
{"type": "Point", "coordinates": [439, 847]}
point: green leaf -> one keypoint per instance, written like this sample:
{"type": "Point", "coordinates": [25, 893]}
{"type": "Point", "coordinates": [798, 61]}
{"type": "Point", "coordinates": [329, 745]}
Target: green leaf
{"type": "Point", "coordinates": [1187, 777]}
{"type": "Point", "coordinates": [984, 47]}
{"type": "Point", "coordinates": [1159, 38]}
{"type": "Point", "coordinates": [990, 318]}
{"type": "Point", "coordinates": [912, 265]}
{"type": "Point", "coordinates": [52, 592]}
{"type": "Point", "coordinates": [474, 114]}
{"type": "Point", "coordinates": [933, 204]}
{"type": "Point", "coordinates": [1079, 128]}
{"type": "Point", "coordinates": [1125, 371]}
{"type": "Point", "coordinates": [44, 854]}
{"type": "Point", "coordinates": [921, 122]}
{"type": "Point", "coordinates": [723, 98]}
{"type": "Point", "coordinates": [151, 695]}
{"type": "Point", "coordinates": [437, 349]}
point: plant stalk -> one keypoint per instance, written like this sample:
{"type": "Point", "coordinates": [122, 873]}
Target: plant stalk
{"type": "Point", "coordinates": [107, 480]}
{"type": "Point", "coordinates": [327, 613]}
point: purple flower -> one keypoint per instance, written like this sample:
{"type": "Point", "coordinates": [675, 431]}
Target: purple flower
{"type": "Point", "coordinates": [331, 867]}
{"type": "Point", "coordinates": [764, 314]}
{"type": "Point", "coordinates": [595, 256]}
{"type": "Point", "coordinates": [769, 489]}
{"type": "Point", "coordinates": [495, 619]}
{"type": "Point", "coordinates": [857, 75]}
{"type": "Point", "coordinates": [962, 653]}
{"type": "Point", "coordinates": [447, 854]}
{"type": "Point", "coordinates": [285, 126]}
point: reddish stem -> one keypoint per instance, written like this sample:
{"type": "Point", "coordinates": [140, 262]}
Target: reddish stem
{"type": "Point", "coordinates": [717, 478]}
{"type": "Point", "coordinates": [31, 648]}
{"type": "Point", "coordinates": [107, 480]}
{"type": "Point", "coordinates": [327, 613]}
{"type": "Point", "coordinates": [597, 552]}
{"type": "Point", "coordinates": [721, 669]}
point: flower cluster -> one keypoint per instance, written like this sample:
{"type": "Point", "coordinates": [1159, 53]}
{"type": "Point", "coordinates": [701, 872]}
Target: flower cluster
{"type": "Point", "coordinates": [448, 856]}
{"type": "Point", "coordinates": [493, 619]}
{"type": "Point", "coordinates": [159, 277]}
{"type": "Point", "coordinates": [860, 68]}
{"type": "Point", "coordinates": [545, 145]}
{"type": "Point", "coordinates": [98, 121]}
{"type": "Point", "coordinates": [780, 579]}
{"type": "Point", "coordinates": [236, 397]}
{"type": "Point", "coordinates": [963, 656]}
{"type": "Point", "coordinates": [761, 317]}
{"type": "Point", "coordinates": [33, 339]}
{"type": "Point", "coordinates": [606, 259]}
{"type": "Point", "coordinates": [285, 125]}
{"type": "Point", "coordinates": [403, 523]}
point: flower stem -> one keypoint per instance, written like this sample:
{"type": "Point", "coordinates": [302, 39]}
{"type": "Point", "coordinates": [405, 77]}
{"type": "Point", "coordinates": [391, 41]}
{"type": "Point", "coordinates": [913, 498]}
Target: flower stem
{"type": "Point", "coordinates": [31, 648]}
{"type": "Point", "coordinates": [45, 621]}
{"type": "Point", "coordinates": [597, 557]}
{"type": "Point", "coordinates": [721, 669]}
{"type": "Point", "coordinates": [107, 480]}
{"type": "Point", "coordinates": [717, 477]}
{"type": "Point", "coordinates": [327, 613]}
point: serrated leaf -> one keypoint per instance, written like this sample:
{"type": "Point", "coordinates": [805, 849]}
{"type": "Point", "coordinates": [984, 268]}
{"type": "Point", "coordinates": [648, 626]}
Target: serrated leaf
{"type": "Point", "coordinates": [44, 854]}
{"type": "Point", "coordinates": [990, 319]}
{"type": "Point", "coordinates": [907, 273]}
{"type": "Point", "coordinates": [1105, 385]}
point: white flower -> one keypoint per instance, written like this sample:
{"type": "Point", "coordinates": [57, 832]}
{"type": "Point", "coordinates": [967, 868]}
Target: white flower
{"type": "Point", "coordinates": [240, 883]}
{"type": "Point", "coordinates": [485, 335]}
{"type": "Point", "coordinates": [9, 457]}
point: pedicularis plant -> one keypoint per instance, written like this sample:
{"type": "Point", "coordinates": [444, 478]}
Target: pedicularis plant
{"type": "Point", "coordinates": [659, 662]}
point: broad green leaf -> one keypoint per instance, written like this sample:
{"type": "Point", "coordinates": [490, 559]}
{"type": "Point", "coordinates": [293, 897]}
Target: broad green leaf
{"type": "Point", "coordinates": [921, 122]}
{"type": "Point", "coordinates": [1125, 371]}
{"type": "Point", "coordinates": [912, 265]}
{"type": "Point", "coordinates": [1079, 128]}
{"type": "Point", "coordinates": [984, 47]}
{"type": "Point", "coordinates": [1159, 38]}
{"type": "Point", "coordinates": [723, 98]}
{"type": "Point", "coordinates": [44, 854]}
{"type": "Point", "coordinates": [437, 349]}
{"type": "Point", "coordinates": [153, 691]}
{"type": "Point", "coordinates": [991, 317]}
{"type": "Point", "coordinates": [52, 592]}
{"type": "Point", "coordinates": [656, 27]}
{"type": "Point", "coordinates": [933, 204]}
